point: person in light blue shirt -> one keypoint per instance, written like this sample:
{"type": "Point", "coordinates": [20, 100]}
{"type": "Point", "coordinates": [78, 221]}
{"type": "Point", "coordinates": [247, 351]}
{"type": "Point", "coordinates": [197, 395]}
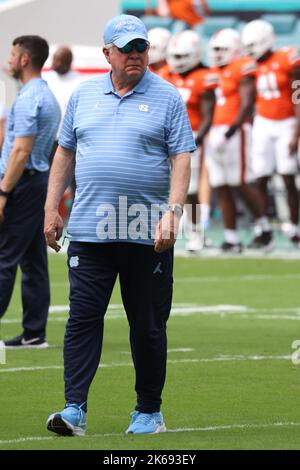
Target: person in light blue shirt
{"type": "Point", "coordinates": [127, 136]}
{"type": "Point", "coordinates": [35, 113]}
{"type": "Point", "coordinates": [30, 132]}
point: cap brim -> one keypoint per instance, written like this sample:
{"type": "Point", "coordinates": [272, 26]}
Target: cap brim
{"type": "Point", "coordinates": [121, 42]}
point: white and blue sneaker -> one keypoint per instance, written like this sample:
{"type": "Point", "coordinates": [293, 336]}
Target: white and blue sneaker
{"type": "Point", "coordinates": [146, 423]}
{"type": "Point", "coordinates": [69, 422]}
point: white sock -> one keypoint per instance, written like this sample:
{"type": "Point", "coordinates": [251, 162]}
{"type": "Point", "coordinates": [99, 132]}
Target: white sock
{"type": "Point", "coordinates": [231, 236]}
{"type": "Point", "coordinates": [204, 216]}
{"type": "Point", "coordinates": [264, 223]}
{"type": "Point", "coordinates": [293, 230]}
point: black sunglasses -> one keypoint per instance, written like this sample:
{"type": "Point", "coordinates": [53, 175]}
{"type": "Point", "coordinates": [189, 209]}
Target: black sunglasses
{"type": "Point", "coordinates": [139, 46]}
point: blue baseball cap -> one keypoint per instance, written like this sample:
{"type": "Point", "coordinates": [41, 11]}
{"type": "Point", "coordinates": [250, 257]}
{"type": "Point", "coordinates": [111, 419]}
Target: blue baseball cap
{"type": "Point", "coordinates": [124, 28]}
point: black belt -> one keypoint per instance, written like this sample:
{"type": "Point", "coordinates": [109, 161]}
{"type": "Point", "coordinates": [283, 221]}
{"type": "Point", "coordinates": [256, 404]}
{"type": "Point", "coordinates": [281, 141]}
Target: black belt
{"type": "Point", "coordinates": [32, 172]}
{"type": "Point", "coordinates": [27, 171]}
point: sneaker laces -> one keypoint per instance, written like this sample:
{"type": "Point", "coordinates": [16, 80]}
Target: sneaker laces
{"type": "Point", "coordinates": [79, 409]}
{"type": "Point", "coordinates": [144, 418]}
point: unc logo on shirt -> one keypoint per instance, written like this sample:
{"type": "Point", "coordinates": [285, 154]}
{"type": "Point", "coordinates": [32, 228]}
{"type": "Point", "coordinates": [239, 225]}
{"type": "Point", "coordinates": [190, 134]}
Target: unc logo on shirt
{"type": "Point", "coordinates": [74, 262]}
{"type": "Point", "coordinates": [144, 108]}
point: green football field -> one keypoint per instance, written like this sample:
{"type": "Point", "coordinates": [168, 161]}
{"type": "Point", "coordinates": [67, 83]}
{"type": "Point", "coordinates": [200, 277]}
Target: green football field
{"type": "Point", "coordinates": [231, 382]}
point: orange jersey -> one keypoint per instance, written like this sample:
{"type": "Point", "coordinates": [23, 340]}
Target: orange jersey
{"type": "Point", "coordinates": [273, 84]}
{"type": "Point", "coordinates": [163, 71]}
{"type": "Point", "coordinates": [191, 12]}
{"type": "Point", "coordinates": [191, 87]}
{"type": "Point", "coordinates": [227, 93]}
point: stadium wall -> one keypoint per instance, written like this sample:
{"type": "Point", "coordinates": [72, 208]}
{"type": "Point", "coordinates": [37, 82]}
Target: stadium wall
{"type": "Point", "coordinates": [59, 21]}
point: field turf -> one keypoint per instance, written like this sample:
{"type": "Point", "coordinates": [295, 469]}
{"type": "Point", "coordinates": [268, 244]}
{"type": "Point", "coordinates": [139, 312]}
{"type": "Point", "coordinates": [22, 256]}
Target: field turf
{"type": "Point", "coordinates": [231, 383]}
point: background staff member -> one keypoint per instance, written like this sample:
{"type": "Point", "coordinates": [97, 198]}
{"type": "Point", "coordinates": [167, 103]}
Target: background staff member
{"type": "Point", "coordinates": [31, 128]}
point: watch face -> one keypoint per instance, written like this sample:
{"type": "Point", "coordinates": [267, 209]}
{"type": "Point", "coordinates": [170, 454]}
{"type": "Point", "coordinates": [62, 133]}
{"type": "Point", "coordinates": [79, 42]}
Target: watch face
{"type": "Point", "coordinates": [177, 210]}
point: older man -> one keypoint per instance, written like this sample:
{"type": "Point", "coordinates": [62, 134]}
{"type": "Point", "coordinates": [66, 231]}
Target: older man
{"type": "Point", "coordinates": [127, 135]}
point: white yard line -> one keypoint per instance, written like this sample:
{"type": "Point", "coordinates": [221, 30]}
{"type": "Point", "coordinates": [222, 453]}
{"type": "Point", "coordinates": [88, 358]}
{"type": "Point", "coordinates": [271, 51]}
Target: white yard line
{"type": "Point", "coordinates": [176, 350]}
{"type": "Point", "coordinates": [245, 278]}
{"type": "Point", "coordinates": [116, 311]}
{"type": "Point", "coordinates": [216, 253]}
{"type": "Point", "coordinates": [222, 358]}
{"type": "Point", "coordinates": [224, 427]}
{"type": "Point", "coordinates": [212, 279]}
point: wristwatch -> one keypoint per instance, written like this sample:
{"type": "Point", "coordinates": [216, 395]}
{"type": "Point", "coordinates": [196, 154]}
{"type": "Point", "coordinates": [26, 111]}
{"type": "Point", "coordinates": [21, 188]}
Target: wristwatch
{"type": "Point", "coordinates": [4, 193]}
{"type": "Point", "coordinates": [177, 209]}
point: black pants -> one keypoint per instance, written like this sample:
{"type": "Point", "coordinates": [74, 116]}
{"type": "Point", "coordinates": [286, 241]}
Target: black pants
{"type": "Point", "coordinates": [146, 288]}
{"type": "Point", "coordinates": [22, 244]}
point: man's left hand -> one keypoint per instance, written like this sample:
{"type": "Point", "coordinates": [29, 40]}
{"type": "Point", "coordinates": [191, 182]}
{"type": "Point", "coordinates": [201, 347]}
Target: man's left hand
{"type": "Point", "coordinates": [166, 232]}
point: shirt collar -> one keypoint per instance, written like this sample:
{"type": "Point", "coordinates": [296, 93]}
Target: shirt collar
{"type": "Point", "coordinates": [29, 84]}
{"type": "Point", "coordinates": [141, 87]}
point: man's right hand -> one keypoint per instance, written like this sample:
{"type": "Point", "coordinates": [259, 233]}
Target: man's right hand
{"type": "Point", "coordinates": [53, 228]}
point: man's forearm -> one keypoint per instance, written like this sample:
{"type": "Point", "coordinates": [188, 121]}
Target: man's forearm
{"type": "Point", "coordinates": [17, 161]}
{"type": "Point", "coordinates": [297, 114]}
{"type": "Point", "coordinates": [246, 92]}
{"type": "Point", "coordinates": [61, 174]}
{"type": "Point", "coordinates": [203, 129]}
{"type": "Point", "coordinates": [180, 178]}
{"type": "Point", "coordinates": [207, 111]}
{"type": "Point", "coordinates": [14, 171]}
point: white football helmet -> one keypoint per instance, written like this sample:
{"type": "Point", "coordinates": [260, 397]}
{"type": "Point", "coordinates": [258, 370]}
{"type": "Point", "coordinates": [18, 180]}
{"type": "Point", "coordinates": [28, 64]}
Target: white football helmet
{"type": "Point", "coordinates": [184, 51]}
{"type": "Point", "coordinates": [258, 37]}
{"type": "Point", "coordinates": [159, 39]}
{"type": "Point", "coordinates": [224, 47]}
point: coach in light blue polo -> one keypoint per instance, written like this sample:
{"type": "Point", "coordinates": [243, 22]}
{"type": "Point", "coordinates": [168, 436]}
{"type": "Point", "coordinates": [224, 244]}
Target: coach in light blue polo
{"type": "Point", "coordinates": [30, 132]}
{"type": "Point", "coordinates": [128, 137]}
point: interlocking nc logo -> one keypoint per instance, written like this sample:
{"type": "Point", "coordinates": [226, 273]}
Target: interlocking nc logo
{"type": "Point", "coordinates": [74, 262]}
{"type": "Point", "coordinates": [296, 355]}
{"type": "Point", "coordinates": [144, 108]}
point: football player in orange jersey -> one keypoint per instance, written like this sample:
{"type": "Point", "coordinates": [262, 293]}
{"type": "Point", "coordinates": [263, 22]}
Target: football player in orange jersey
{"type": "Point", "coordinates": [159, 39]}
{"type": "Point", "coordinates": [276, 128]}
{"type": "Point", "coordinates": [196, 86]}
{"type": "Point", "coordinates": [229, 142]}
{"type": "Point", "coordinates": [191, 12]}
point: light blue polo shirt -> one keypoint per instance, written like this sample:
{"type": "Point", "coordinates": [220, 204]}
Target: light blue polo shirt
{"type": "Point", "coordinates": [123, 147]}
{"type": "Point", "coordinates": [34, 112]}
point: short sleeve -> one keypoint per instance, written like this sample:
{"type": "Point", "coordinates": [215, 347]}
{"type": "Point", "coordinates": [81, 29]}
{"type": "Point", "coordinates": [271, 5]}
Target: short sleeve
{"type": "Point", "coordinates": [179, 137]}
{"type": "Point", "coordinates": [26, 114]}
{"type": "Point", "coordinates": [290, 58]}
{"type": "Point", "coordinates": [248, 68]}
{"type": "Point", "coordinates": [3, 112]}
{"type": "Point", "coordinates": [245, 68]}
{"type": "Point", "coordinates": [67, 137]}
{"type": "Point", "coordinates": [211, 81]}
